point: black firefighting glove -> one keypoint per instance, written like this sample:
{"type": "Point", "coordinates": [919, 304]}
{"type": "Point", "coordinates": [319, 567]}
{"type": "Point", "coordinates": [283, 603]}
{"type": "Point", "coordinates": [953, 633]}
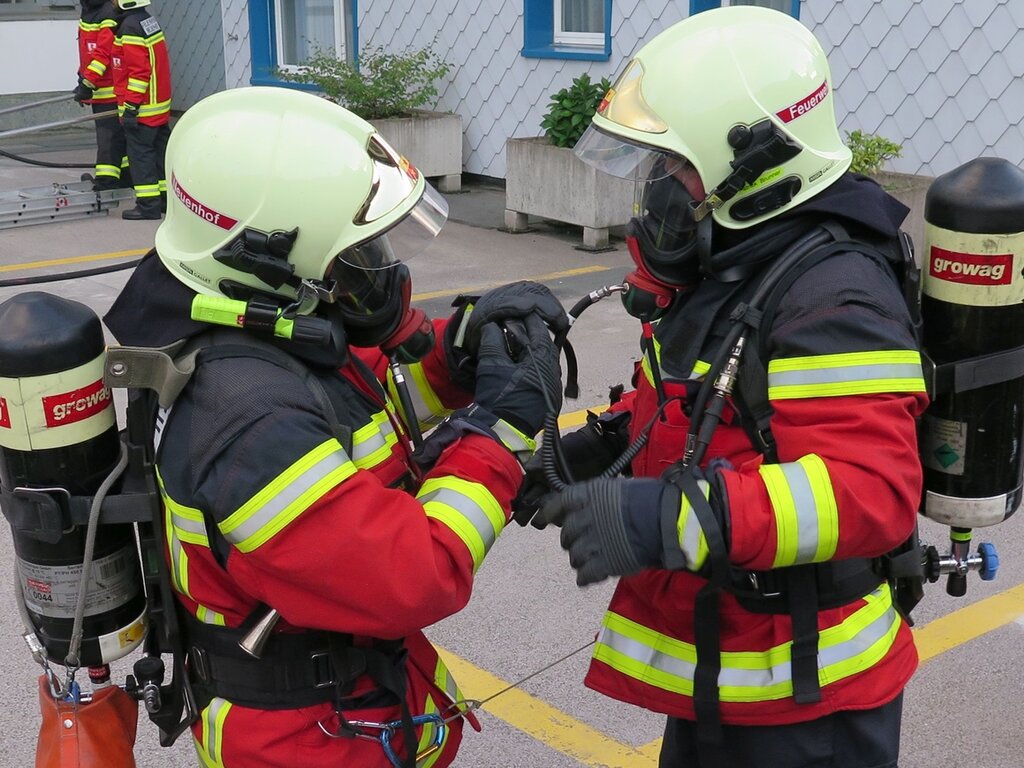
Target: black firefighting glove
{"type": "Point", "coordinates": [472, 313]}
{"type": "Point", "coordinates": [620, 526]}
{"type": "Point", "coordinates": [130, 116]}
{"type": "Point", "coordinates": [82, 92]}
{"type": "Point", "coordinates": [510, 403]}
{"type": "Point", "coordinates": [588, 452]}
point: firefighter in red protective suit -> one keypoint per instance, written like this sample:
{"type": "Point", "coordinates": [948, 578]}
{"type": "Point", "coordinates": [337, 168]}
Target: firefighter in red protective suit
{"type": "Point", "coordinates": [142, 84]}
{"type": "Point", "coordinates": [751, 610]}
{"type": "Point", "coordinates": [96, 87]}
{"type": "Point", "coordinates": [278, 498]}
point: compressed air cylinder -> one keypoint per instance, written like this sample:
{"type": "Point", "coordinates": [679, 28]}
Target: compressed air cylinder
{"type": "Point", "coordinates": [58, 432]}
{"type": "Point", "coordinates": [973, 305]}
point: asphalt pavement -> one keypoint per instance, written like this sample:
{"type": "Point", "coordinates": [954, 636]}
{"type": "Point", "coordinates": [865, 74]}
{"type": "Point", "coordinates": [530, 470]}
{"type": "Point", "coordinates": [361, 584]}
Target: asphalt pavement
{"type": "Point", "coordinates": [526, 615]}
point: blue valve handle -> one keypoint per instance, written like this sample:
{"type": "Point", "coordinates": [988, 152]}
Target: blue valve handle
{"type": "Point", "coordinates": [989, 561]}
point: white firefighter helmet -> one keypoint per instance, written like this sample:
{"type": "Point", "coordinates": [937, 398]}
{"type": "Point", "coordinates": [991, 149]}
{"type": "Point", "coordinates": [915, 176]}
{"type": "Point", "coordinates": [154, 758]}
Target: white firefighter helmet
{"type": "Point", "coordinates": [744, 95]}
{"type": "Point", "coordinates": [129, 5]}
{"type": "Point", "coordinates": [269, 188]}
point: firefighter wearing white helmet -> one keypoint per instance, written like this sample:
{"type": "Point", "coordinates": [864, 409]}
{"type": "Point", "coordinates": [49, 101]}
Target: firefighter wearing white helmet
{"type": "Point", "coordinates": [291, 499]}
{"type": "Point", "coordinates": [777, 403]}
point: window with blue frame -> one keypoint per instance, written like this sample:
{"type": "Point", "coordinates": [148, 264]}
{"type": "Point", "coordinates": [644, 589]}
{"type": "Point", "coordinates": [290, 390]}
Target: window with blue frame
{"type": "Point", "coordinates": [285, 33]}
{"type": "Point", "coordinates": [792, 7]}
{"type": "Point", "coordinates": [567, 29]}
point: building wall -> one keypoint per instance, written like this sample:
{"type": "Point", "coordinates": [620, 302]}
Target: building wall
{"type": "Point", "coordinates": [237, 54]}
{"type": "Point", "coordinates": [196, 46]}
{"type": "Point", "coordinates": [25, 69]}
{"type": "Point", "coordinates": [498, 92]}
{"type": "Point", "coordinates": [942, 77]}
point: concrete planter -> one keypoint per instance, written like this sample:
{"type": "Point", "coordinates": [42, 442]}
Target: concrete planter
{"type": "Point", "coordinates": [433, 143]}
{"type": "Point", "coordinates": [909, 190]}
{"type": "Point", "coordinates": [544, 180]}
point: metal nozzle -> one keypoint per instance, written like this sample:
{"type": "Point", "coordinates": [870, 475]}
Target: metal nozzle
{"type": "Point", "coordinates": [256, 640]}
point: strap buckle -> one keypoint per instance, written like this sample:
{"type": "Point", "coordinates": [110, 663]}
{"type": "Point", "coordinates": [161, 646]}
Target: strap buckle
{"type": "Point", "coordinates": [759, 580]}
{"type": "Point", "coordinates": [323, 670]}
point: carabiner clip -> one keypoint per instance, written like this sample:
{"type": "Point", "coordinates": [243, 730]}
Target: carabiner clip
{"type": "Point", "coordinates": [388, 730]}
{"type": "Point", "coordinates": [440, 732]}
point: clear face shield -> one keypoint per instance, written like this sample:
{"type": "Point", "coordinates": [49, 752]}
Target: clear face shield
{"type": "Point", "coordinates": [369, 275]}
{"type": "Point", "coordinates": [665, 188]}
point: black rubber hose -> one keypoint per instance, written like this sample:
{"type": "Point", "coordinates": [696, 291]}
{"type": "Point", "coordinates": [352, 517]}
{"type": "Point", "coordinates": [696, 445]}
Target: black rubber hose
{"type": "Point", "coordinates": [19, 281]}
{"type": "Point", "coordinates": [44, 163]}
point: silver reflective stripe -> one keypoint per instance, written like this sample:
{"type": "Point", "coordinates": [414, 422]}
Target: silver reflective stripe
{"type": "Point", "coordinates": [845, 374]}
{"type": "Point", "coordinates": [806, 512]}
{"type": "Point", "coordinates": [466, 507]}
{"type": "Point", "coordinates": [291, 493]}
{"type": "Point", "coordinates": [213, 717]}
{"type": "Point", "coordinates": [513, 439]}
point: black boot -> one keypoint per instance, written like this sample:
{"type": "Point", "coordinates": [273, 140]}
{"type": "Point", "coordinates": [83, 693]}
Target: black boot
{"type": "Point", "coordinates": [143, 211]}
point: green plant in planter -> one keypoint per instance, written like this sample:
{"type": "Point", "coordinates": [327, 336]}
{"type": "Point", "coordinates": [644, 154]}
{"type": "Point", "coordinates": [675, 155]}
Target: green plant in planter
{"type": "Point", "coordinates": [870, 151]}
{"type": "Point", "coordinates": [571, 110]}
{"type": "Point", "coordinates": [385, 84]}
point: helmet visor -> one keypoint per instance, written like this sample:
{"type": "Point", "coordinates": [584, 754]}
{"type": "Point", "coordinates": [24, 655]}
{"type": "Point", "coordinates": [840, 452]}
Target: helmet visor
{"type": "Point", "coordinates": [624, 159]}
{"type": "Point", "coordinates": [410, 236]}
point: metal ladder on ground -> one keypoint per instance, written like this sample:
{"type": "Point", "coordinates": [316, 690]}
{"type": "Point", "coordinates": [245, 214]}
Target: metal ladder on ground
{"type": "Point", "coordinates": [58, 201]}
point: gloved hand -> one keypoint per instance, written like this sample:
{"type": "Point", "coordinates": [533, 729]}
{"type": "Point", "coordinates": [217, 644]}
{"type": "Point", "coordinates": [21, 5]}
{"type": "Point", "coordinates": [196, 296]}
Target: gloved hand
{"type": "Point", "coordinates": [588, 451]}
{"type": "Point", "coordinates": [620, 526]}
{"type": "Point", "coordinates": [513, 388]}
{"type": "Point", "coordinates": [515, 300]}
{"type": "Point", "coordinates": [130, 116]}
{"type": "Point", "coordinates": [82, 92]}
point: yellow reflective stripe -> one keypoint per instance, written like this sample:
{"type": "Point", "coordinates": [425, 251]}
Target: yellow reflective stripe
{"type": "Point", "coordinates": [139, 86]}
{"type": "Point", "coordinates": [372, 443]}
{"type": "Point", "coordinates": [181, 524]}
{"type": "Point", "coordinates": [520, 444]}
{"type": "Point", "coordinates": [98, 67]}
{"type": "Point", "coordinates": [857, 643]}
{"type": "Point", "coordinates": [106, 92]}
{"type": "Point", "coordinates": [148, 42]}
{"type": "Point", "coordinates": [210, 748]}
{"type": "Point", "coordinates": [147, 190]}
{"type": "Point", "coordinates": [849, 373]}
{"type": "Point", "coordinates": [151, 109]}
{"type": "Point", "coordinates": [287, 496]}
{"type": "Point", "coordinates": [86, 26]}
{"type": "Point", "coordinates": [108, 170]}
{"type": "Point", "coordinates": [806, 515]}
{"type": "Point", "coordinates": [210, 616]}
{"type": "Point", "coordinates": [700, 368]}
{"type": "Point", "coordinates": [468, 509]}
{"type": "Point", "coordinates": [691, 536]}
{"type": "Point", "coordinates": [425, 402]}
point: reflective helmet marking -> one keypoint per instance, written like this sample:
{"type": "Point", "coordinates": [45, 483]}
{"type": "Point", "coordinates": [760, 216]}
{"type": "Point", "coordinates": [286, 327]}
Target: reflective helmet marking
{"type": "Point", "coordinates": [204, 212]}
{"type": "Point", "coordinates": [793, 111]}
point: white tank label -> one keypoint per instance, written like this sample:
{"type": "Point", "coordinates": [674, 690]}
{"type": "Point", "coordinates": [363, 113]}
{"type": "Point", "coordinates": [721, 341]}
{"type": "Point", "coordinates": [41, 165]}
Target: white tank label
{"type": "Point", "coordinates": [52, 590]}
{"type": "Point", "coordinates": [977, 270]}
{"type": "Point", "coordinates": [55, 410]}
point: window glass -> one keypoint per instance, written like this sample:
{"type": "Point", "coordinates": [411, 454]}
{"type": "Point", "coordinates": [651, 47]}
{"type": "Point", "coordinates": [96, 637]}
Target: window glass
{"type": "Point", "coordinates": [786, 6]}
{"type": "Point", "coordinates": [305, 27]}
{"type": "Point", "coordinates": [579, 22]}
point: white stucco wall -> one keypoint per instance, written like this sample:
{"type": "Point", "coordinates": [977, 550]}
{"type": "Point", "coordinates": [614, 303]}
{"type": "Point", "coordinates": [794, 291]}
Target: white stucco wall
{"type": "Point", "coordinates": [38, 56]}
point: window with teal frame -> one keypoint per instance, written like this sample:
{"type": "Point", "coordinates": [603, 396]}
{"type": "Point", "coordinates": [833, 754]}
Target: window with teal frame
{"type": "Point", "coordinates": [567, 29]}
{"type": "Point", "coordinates": [792, 7]}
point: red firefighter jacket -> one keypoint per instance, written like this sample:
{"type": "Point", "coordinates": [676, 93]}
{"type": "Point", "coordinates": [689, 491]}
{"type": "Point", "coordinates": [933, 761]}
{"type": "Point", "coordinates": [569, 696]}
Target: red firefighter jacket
{"type": "Point", "coordinates": [142, 68]}
{"type": "Point", "coordinates": [355, 543]}
{"type": "Point", "coordinates": [95, 47]}
{"type": "Point", "coordinates": [845, 385]}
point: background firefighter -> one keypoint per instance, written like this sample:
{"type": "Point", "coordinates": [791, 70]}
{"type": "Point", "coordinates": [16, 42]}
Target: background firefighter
{"type": "Point", "coordinates": [96, 87]}
{"type": "Point", "coordinates": [142, 84]}
{"type": "Point", "coordinates": [748, 611]}
{"type": "Point", "coordinates": [271, 503]}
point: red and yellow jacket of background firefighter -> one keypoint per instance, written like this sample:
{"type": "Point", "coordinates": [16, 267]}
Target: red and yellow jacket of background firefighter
{"type": "Point", "coordinates": [355, 543]}
{"type": "Point", "coordinates": [142, 68]}
{"type": "Point", "coordinates": [95, 48]}
{"type": "Point", "coordinates": [848, 473]}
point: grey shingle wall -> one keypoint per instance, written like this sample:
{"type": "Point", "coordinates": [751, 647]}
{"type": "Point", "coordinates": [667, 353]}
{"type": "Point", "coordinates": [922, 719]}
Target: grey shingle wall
{"type": "Point", "coordinates": [498, 92]}
{"type": "Point", "coordinates": [195, 44]}
{"type": "Point", "coordinates": [237, 55]}
{"type": "Point", "coordinates": [942, 77]}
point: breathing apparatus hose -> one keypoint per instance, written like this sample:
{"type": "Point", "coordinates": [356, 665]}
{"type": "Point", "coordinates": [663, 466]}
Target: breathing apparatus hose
{"type": "Point", "coordinates": [720, 378]}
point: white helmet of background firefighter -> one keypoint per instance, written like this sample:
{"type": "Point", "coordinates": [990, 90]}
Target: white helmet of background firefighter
{"type": "Point", "coordinates": [727, 116]}
{"type": "Point", "coordinates": [131, 5]}
{"type": "Point", "coordinates": [282, 195]}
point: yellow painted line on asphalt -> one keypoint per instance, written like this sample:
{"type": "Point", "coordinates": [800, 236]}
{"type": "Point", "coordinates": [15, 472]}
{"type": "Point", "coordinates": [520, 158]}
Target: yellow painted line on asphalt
{"type": "Point", "coordinates": [540, 720]}
{"type": "Point", "coordinates": [71, 260]}
{"type": "Point", "coordinates": [486, 286]}
{"type": "Point", "coordinates": [970, 622]}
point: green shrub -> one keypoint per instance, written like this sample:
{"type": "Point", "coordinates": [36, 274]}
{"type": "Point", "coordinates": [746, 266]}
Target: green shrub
{"type": "Point", "coordinates": [385, 85]}
{"type": "Point", "coordinates": [870, 151]}
{"type": "Point", "coordinates": [571, 110]}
